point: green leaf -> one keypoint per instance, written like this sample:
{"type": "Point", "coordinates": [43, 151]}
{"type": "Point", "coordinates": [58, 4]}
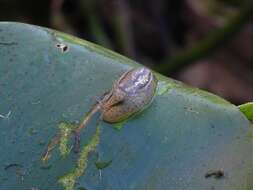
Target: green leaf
{"type": "Point", "coordinates": [48, 78]}
{"type": "Point", "coordinates": [247, 109]}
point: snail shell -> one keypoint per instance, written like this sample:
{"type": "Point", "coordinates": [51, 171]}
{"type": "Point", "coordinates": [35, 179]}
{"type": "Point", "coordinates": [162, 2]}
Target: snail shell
{"type": "Point", "coordinates": [131, 93]}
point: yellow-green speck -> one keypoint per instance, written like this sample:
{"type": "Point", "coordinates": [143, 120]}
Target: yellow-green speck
{"type": "Point", "coordinates": [119, 125]}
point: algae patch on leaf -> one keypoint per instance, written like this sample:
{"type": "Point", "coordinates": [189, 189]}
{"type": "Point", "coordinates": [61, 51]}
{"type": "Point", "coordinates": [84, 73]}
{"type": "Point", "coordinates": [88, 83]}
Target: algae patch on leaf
{"type": "Point", "coordinates": [163, 87]}
{"type": "Point", "coordinates": [69, 179]}
{"type": "Point", "coordinates": [119, 125]}
{"type": "Point", "coordinates": [102, 165]}
{"type": "Point", "coordinates": [65, 131]}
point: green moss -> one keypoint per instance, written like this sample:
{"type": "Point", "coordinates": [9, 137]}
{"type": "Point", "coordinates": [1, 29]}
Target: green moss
{"type": "Point", "coordinates": [211, 97]}
{"type": "Point", "coordinates": [65, 131]}
{"type": "Point", "coordinates": [247, 110]}
{"type": "Point", "coordinates": [102, 165]}
{"type": "Point", "coordinates": [165, 84]}
{"type": "Point", "coordinates": [163, 87]}
{"type": "Point", "coordinates": [119, 125]}
{"type": "Point", "coordinates": [202, 94]}
{"type": "Point", "coordinates": [69, 179]}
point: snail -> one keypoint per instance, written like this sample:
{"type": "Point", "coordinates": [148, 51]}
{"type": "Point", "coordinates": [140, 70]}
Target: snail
{"type": "Point", "coordinates": [131, 93]}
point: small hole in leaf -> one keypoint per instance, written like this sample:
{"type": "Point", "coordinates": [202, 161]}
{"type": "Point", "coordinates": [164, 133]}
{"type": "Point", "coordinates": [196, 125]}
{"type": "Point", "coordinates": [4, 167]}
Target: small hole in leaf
{"type": "Point", "coordinates": [217, 174]}
{"type": "Point", "coordinates": [63, 47]}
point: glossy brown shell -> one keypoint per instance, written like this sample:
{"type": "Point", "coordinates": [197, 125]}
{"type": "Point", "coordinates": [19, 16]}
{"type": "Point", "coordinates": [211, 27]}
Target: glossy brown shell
{"type": "Point", "coordinates": [132, 92]}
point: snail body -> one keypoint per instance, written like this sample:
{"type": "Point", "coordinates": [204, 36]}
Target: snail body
{"type": "Point", "coordinates": [131, 93]}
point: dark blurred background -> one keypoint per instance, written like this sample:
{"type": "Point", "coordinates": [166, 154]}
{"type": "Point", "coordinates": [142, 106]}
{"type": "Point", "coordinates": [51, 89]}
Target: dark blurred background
{"type": "Point", "coordinates": [205, 43]}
